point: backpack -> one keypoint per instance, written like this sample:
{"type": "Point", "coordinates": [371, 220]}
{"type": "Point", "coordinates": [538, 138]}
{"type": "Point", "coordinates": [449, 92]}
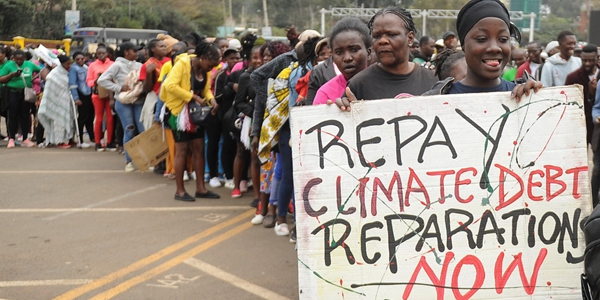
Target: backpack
{"type": "Point", "coordinates": [590, 279]}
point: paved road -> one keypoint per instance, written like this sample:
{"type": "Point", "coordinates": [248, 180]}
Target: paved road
{"type": "Point", "coordinates": [74, 225]}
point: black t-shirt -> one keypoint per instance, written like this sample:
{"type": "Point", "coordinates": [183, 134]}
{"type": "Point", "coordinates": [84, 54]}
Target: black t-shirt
{"type": "Point", "coordinates": [198, 84]}
{"type": "Point", "coordinates": [459, 88]}
{"type": "Point", "coordinates": [375, 83]}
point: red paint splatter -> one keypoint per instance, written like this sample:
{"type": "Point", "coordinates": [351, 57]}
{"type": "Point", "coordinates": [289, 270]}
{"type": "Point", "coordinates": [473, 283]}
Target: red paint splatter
{"type": "Point", "coordinates": [485, 111]}
{"type": "Point", "coordinates": [359, 263]}
{"type": "Point", "coordinates": [341, 282]}
{"type": "Point", "coordinates": [549, 283]}
{"type": "Point", "coordinates": [526, 204]}
{"type": "Point", "coordinates": [445, 103]}
{"type": "Point", "coordinates": [508, 153]}
{"type": "Point", "coordinates": [317, 217]}
{"type": "Point", "coordinates": [515, 143]}
{"type": "Point", "coordinates": [408, 113]}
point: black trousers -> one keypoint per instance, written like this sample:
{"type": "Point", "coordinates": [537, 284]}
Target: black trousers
{"type": "Point", "coordinates": [86, 116]}
{"type": "Point", "coordinates": [214, 133]}
{"type": "Point", "coordinates": [19, 114]}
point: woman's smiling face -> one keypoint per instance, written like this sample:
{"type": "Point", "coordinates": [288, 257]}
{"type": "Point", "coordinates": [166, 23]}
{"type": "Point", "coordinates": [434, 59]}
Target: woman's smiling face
{"type": "Point", "coordinates": [487, 50]}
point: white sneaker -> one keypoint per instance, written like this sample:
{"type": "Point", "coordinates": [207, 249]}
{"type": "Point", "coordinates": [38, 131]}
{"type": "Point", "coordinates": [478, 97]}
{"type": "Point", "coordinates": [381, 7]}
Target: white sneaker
{"type": "Point", "coordinates": [193, 175]}
{"type": "Point", "coordinates": [230, 184]}
{"type": "Point", "coordinates": [257, 220]}
{"type": "Point", "coordinates": [214, 182]}
{"type": "Point", "coordinates": [129, 167]}
{"type": "Point", "coordinates": [282, 229]}
{"type": "Point", "coordinates": [85, 145]}
{"type": "Point", "coordinates": [185, 176]}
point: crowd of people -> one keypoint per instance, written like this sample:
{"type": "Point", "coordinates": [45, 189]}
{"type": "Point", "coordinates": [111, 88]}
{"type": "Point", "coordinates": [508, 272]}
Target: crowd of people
{"type": "Point", "coordinates": [250, 84]}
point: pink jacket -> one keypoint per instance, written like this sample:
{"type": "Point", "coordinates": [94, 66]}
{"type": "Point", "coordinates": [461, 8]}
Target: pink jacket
{"type": "Point", "coordinates": [96, 68]}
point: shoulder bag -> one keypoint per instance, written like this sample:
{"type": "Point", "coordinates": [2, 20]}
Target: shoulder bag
{"type": "Point", "coordinates": [199, 115]}
{"type": "Point", "coordinates": [135, 91]}
{"type": "Point", "coordinates": [30, 95]}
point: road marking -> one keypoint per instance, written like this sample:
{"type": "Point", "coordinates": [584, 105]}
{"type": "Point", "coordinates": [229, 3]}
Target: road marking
{"type": "Point", "coordinates": [233, 280]}
{"type": "Point", "coordinates": [113, 199]}
{"type": "Point", "coordinates": [44, 282]}
{"type": "Point", "coordinates": [121, 209]}
{"type": "Point", "coordinates": [126, 285]}
{"type": "Point", "coordinates": [152, 258]}
{"type": "Point", "coordinates": [28, 172]}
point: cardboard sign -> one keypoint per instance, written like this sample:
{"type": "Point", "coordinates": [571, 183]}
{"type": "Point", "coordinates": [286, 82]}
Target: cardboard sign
{"type": "Point", "coordinates": [471, 196]}
{"type": "Point", "coordinates": [148, 148]}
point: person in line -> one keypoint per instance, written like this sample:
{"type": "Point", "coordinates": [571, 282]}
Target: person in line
{"type": "Point", "coordinates": [395, 76]}
{"type": "Point", "coordinates": [17, 74]}
{"type": "Point", "coordinates": [484, 30]}
{"type": "Point", "coordinates": [268, 52]}
{"type": "Point", "coordinates": [534, 61]}
{"type": "Point", "coordinates": [100, 99]}
{"type": "Point", "coordinates": [351, 45]}
{"type": "Point", "coordinates": [518, 58]}
{"type": "Point", "coordinates": [558, 66]}
{"type": "Point", "coordinates": [426, 50]}
{"type": "Point", "coordinates": [450, 41]}
{"type": "Point", "coordinates": [587, 76]}
{"type": "Point", "coordinates": [244, 104]}
{"type": "Point", "coordinates": [225, 86]}
{"type": "Point", "coordinates": [149, 73]}
{"type": "Point", "coordinates": [189, 80]}
{"type": "Point", "coordinates": [451, 63]}
{"type": "Point", "coordinates": [114, 81]}
{"type": "Point", "coordinates": [82, 95]}
{"type": "Point", "coordinates": [56, 112]}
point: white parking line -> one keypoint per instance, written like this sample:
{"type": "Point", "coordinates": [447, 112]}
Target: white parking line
{"type": "Point", "coordinates": [29, 172]}
{"type": "Point", "coordinates": [120, 209]}
{"type": "Point", "coordinates": [44, 282]}
{"type": "Point", "coordinates": [234, 280]}
{"type": "Point", "coordinates": [117, 198]}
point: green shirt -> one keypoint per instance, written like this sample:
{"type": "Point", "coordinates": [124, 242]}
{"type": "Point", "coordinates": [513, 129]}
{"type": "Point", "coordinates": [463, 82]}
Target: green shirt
{"type": "Point", "coordinates": [510, 74]}
{"type": "Point", "coordinates": [16, 82]}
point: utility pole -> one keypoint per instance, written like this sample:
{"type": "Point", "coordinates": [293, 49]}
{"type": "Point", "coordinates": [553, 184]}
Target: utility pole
{"type": "Point", "coordinates": [130, 10]}
{"type": "Point", "coordinates": [73, 4]}
{"type": "Point", "coordinates": [265, 13]}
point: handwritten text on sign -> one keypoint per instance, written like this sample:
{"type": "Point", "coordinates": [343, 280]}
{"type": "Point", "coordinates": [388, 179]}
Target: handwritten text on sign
{"type": "Point", "coordinates": [461, 196]}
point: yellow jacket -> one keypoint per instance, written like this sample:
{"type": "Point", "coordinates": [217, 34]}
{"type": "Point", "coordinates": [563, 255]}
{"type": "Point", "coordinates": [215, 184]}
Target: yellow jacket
{"type": "Point", "coordinates": [176, 90]}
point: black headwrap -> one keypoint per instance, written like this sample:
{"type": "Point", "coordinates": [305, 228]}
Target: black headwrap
{"type": "Point", "coordinates": [476, 10]}
{"type": "Point", "coordinates": [63, 59]}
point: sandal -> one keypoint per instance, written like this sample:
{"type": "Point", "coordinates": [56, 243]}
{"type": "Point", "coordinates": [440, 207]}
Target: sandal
{"type": "Point", "coordinates": [269, 221]}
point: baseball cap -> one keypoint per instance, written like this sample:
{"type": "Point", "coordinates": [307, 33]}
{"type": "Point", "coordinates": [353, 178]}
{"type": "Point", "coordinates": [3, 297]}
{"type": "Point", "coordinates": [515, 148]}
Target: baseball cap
{"type": "Point", "coordinates": [307, 34]}
{"type": "Point", "coordinates": [231, 48]}
{"type": "Point", "coordinates": [128, 46]}
{"type": "Point", "coordinates": [235, 43]}
{"type": "Point", "coordinates": [448, 34]}
{"type": "Point", "coordinates": [439, 43]}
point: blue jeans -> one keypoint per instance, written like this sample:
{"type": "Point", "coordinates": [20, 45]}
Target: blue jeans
{"type": "Point", "coordinates": [129, 114]}
{"type": "Point", "coordinates": [286, 186]}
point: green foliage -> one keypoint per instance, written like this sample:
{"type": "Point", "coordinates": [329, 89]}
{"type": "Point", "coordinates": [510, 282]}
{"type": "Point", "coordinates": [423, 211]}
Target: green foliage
{"type": "Point", "coordinates": [549, 28]}
{"type": "Point", "coordinates": [125, 22]}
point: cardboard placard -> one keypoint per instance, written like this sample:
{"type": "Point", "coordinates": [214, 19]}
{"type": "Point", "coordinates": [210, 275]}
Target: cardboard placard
{"type": "Point", "coordinates": [471, 196]}
{"type": "Point", "coordinates": [148, 148]}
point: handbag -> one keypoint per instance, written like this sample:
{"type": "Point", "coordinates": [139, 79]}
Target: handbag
{"type": "Point", "coordinates": [199, 115]}
{"type": "Point", "coordinates": [29, 93]}
{"type": "Point", "coordinates": [229, 121]}
{"type": "Point", "coordinates": [135, 91]}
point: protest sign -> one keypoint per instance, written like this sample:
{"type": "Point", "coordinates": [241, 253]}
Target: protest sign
{"type": "Point", "coordinates": [471, 196]}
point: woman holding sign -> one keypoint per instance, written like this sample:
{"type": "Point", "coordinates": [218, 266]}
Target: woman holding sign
{"type": "Point", "coordinates": [484, 30]}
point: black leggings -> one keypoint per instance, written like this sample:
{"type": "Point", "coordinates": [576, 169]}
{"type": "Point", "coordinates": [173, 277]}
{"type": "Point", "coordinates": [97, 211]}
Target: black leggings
{"type": "Point", "coordinates": [214, 133]}
{"type": "Point", "coordinates": [19, 113]}
{"type": "Point", "coordinates": [86, 116]}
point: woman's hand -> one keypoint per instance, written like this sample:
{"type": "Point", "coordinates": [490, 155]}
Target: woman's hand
{"type": "Point", "coordinates": [344, 102]}
{"type": "Point", "coordinates": [198, 99]}
{"type": "Point", "coordinates": [255, 145]}
{"type": "Point", "coordinates": [215, 106]}
{"type": "Point", "coordinates": [78, 102]}
{"type": "Point", "coordinates": [525, 89]}
{"type": "Point", "coordinates": [125, 88]}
